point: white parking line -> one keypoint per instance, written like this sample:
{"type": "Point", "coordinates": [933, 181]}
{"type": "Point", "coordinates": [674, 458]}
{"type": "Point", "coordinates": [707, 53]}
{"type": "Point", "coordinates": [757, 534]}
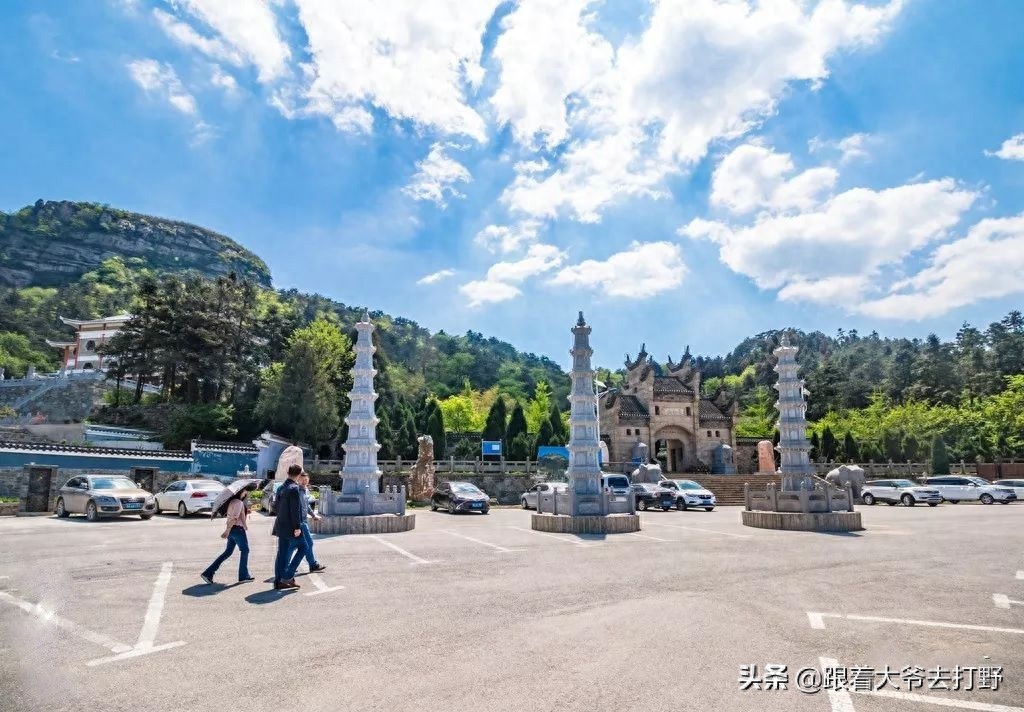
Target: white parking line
{"type": "Point", "coordinates": [48, 616]}
{"type": "Point", "coordinates": [479, 541]}
{"type": "Point", "coordinates": [940, 701]}
{"type": "Point", "coordinates": [1001, 600]}
{"type": "Point", "coordinates": [400, 550]}
{"type": "Point", "coordinates": [817, 620]}
{"type": "Point", "coordinates": [698, 529]}
{"type": "Point", "coordinates": [556, 537]}
{"type": "Point", "coordinates": [321, 587]}
{"type": "Point", "coordinates": [645, 536]}
{"type": "Point", "coordinates": [840, 700]}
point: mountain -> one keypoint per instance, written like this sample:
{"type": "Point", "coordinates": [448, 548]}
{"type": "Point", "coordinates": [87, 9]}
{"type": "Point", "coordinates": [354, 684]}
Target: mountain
{"type": "Point", "coordinates": [53, 243]}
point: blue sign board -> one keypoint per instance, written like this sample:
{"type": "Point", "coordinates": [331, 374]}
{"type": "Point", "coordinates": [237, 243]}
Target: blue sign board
{"type": "Point", "coordinates": [490, 447]}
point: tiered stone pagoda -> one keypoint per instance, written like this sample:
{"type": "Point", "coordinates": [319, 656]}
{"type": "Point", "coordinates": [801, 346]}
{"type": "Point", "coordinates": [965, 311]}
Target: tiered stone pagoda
{"type": "Point", "coordinates": [803, 501]}
{"type": "Point", "coordinates": [362, 508]}
{"type": "Point", "coordinates": [586, 506]}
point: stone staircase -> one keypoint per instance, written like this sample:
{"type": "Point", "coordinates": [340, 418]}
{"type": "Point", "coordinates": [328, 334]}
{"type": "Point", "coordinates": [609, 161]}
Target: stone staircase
{"type": "Point", "coordinates": [728, 489]}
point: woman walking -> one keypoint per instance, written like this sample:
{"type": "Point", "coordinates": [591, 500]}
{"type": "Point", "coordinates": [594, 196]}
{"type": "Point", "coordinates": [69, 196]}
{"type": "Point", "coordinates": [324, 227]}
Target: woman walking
{"type": "Point", "coordinates": [237, 512]}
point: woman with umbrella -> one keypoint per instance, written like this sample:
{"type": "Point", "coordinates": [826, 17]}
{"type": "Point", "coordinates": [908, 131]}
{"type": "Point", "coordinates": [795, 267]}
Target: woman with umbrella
{"type": "Point", "coordinates": [231, 503]}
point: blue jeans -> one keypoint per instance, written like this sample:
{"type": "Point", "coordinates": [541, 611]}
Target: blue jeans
{"type": "Point", "coordinates": [289, 551]}
{"type": "Point", "coordinates": [307, 539]}
{"type": "Point", "coordinates": [236, 537]}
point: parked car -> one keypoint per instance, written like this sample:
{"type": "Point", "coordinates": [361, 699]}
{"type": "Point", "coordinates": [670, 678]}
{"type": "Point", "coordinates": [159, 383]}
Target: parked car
{"type": "Point", "coordinates": [187, 496]}
{"type": "Point", "coordinates": [688, 494]}
{"type": "Point", "coordinates": [1016, 485]}
{"type": "Point", "coordinates": [529, 497]}
{"type": "Point", "coordinates": [893, 492]}
{"type": "Point", "coordinates": [958, 488]}
{"type": "Point", "coordinates": [100, 496]}
{"type": "Point", "coordinates": [650, 495]}
{"type": "Point", "coordinates": [618, 484]}
{"type": "Point", "coordinates": [460, 497]}
{"type": "Point", "coordinates": [268, 500]}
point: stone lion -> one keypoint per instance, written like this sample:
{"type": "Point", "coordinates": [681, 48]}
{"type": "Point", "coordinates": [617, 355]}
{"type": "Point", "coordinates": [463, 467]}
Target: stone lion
{"type": "Point", "coordinates": [847, 475]}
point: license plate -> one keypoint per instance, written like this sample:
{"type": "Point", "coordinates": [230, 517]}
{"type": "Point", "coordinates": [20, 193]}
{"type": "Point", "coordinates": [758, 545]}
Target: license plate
{"type": "Point", "coordinates": [133, 505]}
{"type": "Point", "coordinates": [478, 504]}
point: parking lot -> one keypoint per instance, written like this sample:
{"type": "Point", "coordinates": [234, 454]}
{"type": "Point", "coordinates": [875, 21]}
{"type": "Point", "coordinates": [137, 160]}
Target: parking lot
{"type": "Point", "coordinates": [479, 612]}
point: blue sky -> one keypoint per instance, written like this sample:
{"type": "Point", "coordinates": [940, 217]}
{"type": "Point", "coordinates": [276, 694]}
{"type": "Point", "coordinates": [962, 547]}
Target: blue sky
{"type": "Point", "coordinates": [684, 171]}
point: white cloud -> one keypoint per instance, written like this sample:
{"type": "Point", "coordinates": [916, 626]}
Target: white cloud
{"type": "Point", "coordinates": [162, 80]}
{"type": "Point", "coordinates": [645, 269]}
{"type": "Point", "coordinates": [220, 78]}
{"type": "Point", "coordinates": [534, 85]}
{"type": "Point", "coordinates": [1011, 150]}
{"type": "Point", "coordinates": [982, 265]}
{"type": "Point", "coordinates": [436, 176]}
{"type": "Point", "coordinates": [849, 148]}
{"type": "Point", "coordinates": [435, 277]}
{"type": "Point", "coordinates": [410, 59]}
{"type": "Point", "coordinates": [246, 27]}
{"type": "Point", "coordinates": [498, 284]}
{"type": "Point", "coordinates": [832, 252]}
{"type": "Point", "coordinates": [508, 238]}
{"type": "Point", "coordinates": [751, 177]}
{"type": "Point", "coordinates": [702, 70]}
{"type": "Point", "coordinates": [184, 34]}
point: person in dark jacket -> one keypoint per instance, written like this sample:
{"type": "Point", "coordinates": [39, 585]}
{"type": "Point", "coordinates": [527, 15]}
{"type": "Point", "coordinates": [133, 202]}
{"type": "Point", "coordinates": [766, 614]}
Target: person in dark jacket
{"type": "Point", "coordinates": [307, 538]}
{"type": "Point", "coordinates": [288, 530]}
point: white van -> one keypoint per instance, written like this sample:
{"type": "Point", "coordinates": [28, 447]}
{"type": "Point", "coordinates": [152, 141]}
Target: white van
{"type": "Point", "coordinates": [618, 484]}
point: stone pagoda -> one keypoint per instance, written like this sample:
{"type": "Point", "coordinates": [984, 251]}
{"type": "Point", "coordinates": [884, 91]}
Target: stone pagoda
{"type": "Point", "coordinates": [585, 506]}
{"type": "Point", "coordinates": [804, 501]}
{"type": "Point", "coordinates": [362, 507]}
{"type": "Point", "coordinates": [793, 447]}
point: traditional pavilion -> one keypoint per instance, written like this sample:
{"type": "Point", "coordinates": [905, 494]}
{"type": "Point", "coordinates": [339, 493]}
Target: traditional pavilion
{"type": "Point", "coordinates": [80, 354]}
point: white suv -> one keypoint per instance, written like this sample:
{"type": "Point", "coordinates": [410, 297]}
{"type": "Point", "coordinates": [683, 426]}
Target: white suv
{"type": "Point", "coordinates": [957, 488]}
{"type": "Point", "coordinates": [895, 491]}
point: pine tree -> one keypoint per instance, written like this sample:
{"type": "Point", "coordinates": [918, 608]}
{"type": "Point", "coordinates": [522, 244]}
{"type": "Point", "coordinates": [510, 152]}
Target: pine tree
{"type": "Point", "coordinates": [829, 446]}
{"type": "Point", "coordinates": [545, 436]}
{"type": "Point", "coordinates": [558, 434]}
{"type": "Point", "coordinates": [940, 458]}
{"type": "Point", "coordinates": [893, 446]}
{"type": "Point", "coordinates": [911, 448]}
{"type": "Point", "coordinates": [516, 425]}
{"type": "Point", "coordinates": [435, 429]}
{"type": "Point", "coordinates": [385, 436]}
{"type": "Point", "coordinates": [494, 428]}
{"type": "Point", "coordinates": [850, 450]}
{"type": "Point", "coordinates": [521, 446]}
{"type": "Point", "coordinates": [815, 446]}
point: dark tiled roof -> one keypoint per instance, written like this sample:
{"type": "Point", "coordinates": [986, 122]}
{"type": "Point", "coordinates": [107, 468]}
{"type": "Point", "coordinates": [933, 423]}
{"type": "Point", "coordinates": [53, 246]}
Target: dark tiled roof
{"type": "Point", "coordinates": [708, 411]}
{"type": "Point", "coordinates": [632, 407]}
{"type": "Point", "coordinates": [222, 446]}
{"type": "Point", "coordinates": [89, 450]}
{"type": "Point", "coordinates": [671, 384]}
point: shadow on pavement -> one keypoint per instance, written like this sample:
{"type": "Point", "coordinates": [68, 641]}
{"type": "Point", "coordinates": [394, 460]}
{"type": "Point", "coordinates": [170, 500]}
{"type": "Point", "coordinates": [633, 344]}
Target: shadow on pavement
{"type": "Point", "coordinates": [201, 590]}
{"type": "Point", "coordinates": [264, 597]}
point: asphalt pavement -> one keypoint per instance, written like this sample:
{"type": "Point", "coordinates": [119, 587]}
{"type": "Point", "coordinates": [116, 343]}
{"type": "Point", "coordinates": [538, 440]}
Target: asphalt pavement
{"type": "Point", "coordinates": [475, 612]}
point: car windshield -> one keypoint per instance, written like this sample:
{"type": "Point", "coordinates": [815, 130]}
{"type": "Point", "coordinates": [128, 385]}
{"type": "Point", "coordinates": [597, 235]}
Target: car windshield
{"type": "Point", "coordinates": [688, 485]}
{"type": "Point", "coordinates": [109, 483]}
{"type": "Point", "coordinates": [978, 480]}
{"type": "Point", "coordinates": [618, 482]}
{"type": "Point", "coordinates": [903, 483]}
{"type": "Point", "coordinates": [465, 489]}
{"type": "Point", "coordinates": [208, 486]}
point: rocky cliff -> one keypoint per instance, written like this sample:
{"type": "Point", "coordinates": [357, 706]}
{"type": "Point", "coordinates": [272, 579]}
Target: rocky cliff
{"type": "Point", "coordinates": [53, 243]}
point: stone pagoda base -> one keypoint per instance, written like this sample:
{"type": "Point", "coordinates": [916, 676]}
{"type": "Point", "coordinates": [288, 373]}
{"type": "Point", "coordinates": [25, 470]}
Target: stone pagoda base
{"type": "Point", "coordinates": [804, 522]}
{"type": "Point", "coordinates": [369, 524]}
{"type": "Point", "coordinates": [564, 524]}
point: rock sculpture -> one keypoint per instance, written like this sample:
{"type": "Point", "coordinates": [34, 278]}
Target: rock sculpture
{"type": "Point", "coordinates": [291, 455]}
{"type": "Point", "coordinates": [421, 484]}
{"type": "Point", "coordinates": [848, 475]}
{"type": "Point", "coordinates": [765, 458]}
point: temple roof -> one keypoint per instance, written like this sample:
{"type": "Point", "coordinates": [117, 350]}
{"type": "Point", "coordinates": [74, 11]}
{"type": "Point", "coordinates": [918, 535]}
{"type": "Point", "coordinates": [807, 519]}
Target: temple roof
{"type": "Point", "coordinates": [223, 446]}
{"type": "Point", "coordinates": [709, 412]}
{"type": "Point", "coordinates": [671, 384]}
{"type": "Point", "coordinates": [632, 407]}
{"type": "Point", "coordinates": [79, 323]}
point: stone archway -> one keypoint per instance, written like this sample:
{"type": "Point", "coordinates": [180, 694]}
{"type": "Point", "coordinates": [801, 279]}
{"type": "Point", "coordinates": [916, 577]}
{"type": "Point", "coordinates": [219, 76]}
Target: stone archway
{"type": "Point", "coordinates": [674, 448]}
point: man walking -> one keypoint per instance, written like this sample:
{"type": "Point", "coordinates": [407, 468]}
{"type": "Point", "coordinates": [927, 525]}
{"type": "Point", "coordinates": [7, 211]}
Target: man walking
{"type": "Point", "coordinates": [307, 538]}
{"type": "Point", "coordinates": [287, 529]}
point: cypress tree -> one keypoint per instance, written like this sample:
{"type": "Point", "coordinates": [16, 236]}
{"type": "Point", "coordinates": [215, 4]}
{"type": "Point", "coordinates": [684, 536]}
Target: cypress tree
{"type": "Point", "coordinates": [850, 450]}
{"type": "Point", "coordinates": [435, 429]}
{"type": "Point", "coordinates": [521, 446]}
{"type": "Point", "coordinates": [494, 429]}
{"type": "Point", "coordinates": [829, 446]}
{"type": "Point", "coordinates": [815, 446]}
{"type": "Point", "coordinates": [558, 435]}
{"type": "Point", "coordinates": [940, 458]}
{"type": "Point", "coordinates": [516, 426]}
{"type": "Point", "coordinates": [545, 436]}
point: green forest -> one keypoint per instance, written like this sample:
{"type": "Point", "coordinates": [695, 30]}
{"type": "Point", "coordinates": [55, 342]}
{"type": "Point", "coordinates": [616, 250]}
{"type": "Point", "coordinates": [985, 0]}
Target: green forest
{"type": "Point", "coordinates": [234, 358]}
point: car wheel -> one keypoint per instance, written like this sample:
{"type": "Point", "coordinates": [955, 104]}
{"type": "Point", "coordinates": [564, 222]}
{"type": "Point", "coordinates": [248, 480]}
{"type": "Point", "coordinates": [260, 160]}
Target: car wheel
{"type": "Point", "coordinates": [182, 510]}
{"type": "Point", "coordinates": [91, 513]}
{"type": "Point", "coordinates": [642, 505]}
{"type": "Point", "coordinates": [933, 504]}
{"type": "Point", "coordinates": [1004, 501]}
{"type": "Point", "coordinates": [158, 510]}
{"type": "Point", "coordinates": [486, 511]}
{"type": "Point", "coordinates": [665, 508]}
{"type": "Point", "coordinates": [892, 504]}
{"type": "Point", "coordinates": [433, 506]}
{"type": "Point", "coordinates": [709, 509]}
{"type": "Point", "coordinates": [145, 517]}
{"type": "Point", "coordinates": [908, 500]}
{"type": "Point", "coordinates": [987, 498]}
{"type": "Point", "coordinates": [451, 508]}
{"type": "Point", "coordinates": [952, 501]}
{"type": "Point", "coordinates": [61, 510]}
{"type": "Point", "coordinates": [868, 499]}
{"type": "Point", "coordinates": [525, 505]}
{"type": "Point", "coordinates": [681, 504]}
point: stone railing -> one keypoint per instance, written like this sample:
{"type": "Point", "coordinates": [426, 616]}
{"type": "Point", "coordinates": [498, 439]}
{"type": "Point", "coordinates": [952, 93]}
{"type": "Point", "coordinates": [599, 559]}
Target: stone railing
{"type": "Point", "coordinates": [820, 497]}
{"type": "Point", "coordinates": [477, 466]}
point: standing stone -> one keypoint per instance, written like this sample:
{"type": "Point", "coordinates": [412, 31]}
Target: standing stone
{"type": "Point", "coordinates": [793, 446]}
{"type": "Point", "coordinates": [291, 455]}
{"type": "Point", "coordinates": [360, 474]}
{"type": "Point", "coordinates": [421, 484]}
{"type": "Point", "coordinates": [765, 458]}
{"type": "Point", "coordinates": [722, 461]}
{"type": "Point", "coordinates": [584, 473]}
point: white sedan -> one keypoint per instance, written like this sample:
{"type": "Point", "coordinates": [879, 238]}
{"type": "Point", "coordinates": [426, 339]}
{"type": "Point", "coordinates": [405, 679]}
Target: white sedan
{"type": "Point", "coordinates": [187, 496]}
{"type": "Point", "coordinates": [1016, 485]}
